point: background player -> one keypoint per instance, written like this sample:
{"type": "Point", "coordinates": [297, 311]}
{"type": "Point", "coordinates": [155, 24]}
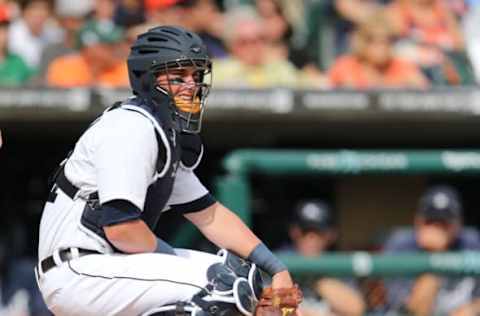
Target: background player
{"type": "Point", "coordinates": [438, 227]}
{"type": "Point", "coordinates": [313, 232]}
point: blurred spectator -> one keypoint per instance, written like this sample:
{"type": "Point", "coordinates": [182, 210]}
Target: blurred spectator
{"type": "Point", "coordinates": [277, 28]}
{"type": "Point", "coordinates": [13, 70]}
{"type": "Point", "coordinates": [19, 294]}
{"type": "Point", "coordinates": [472, 36]}
{"type": "Point", "coordinates": [319, 38]}
{"type": "Point", "coordinates": [372, 64]}
{"type": "Point", "coordinates": [437, 228]}
{"type": "Point", "coordinates": [249, 64]}
{"type": "Point", "coordinates": [351, 13]}
{"type": "Point", "coordinates": [129, 13]}
{"type": "Point", "coordinates": [70, 16]}
{"type": "Point", "coordinates": [8, 9]}
{"type": "Point", "coordinates": [103, 15]}
{"type": "Point", "coordinates": [357, 11]}
{"type": "Point", "coordinates": [278, 34]}
{"type": "Point", "coordinates": [163, 12]}
{"type": "Point", "coordinates": [204, 18]}
{"type": "Point", "coordinates": [99, 62]}
{"type": "Point", "coordinates": [427, 21]}
{"type": "Point", "coordinates": [312, 233]}
{"type": "Point", "coordinates": [200, 16]}
{"type": "Point", "coordinates": [29, 34]}
{"type": "Point", "coordinates": [430, 36]}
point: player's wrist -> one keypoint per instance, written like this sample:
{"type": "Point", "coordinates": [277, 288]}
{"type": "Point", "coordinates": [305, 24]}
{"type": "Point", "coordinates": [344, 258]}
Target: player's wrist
{"type": "Point", "coordinates": [266, 260]}
{"type": "Point", "coordinates": [163, 247]}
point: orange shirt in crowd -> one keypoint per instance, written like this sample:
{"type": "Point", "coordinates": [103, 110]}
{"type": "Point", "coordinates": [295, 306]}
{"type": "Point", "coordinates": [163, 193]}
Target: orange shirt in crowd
{"type": "Point", "coordinates": [73, 71]}
{"type": "Point", "coordinates": [436, 26]}
{"type": "Point", "coordinates": [349, 72]}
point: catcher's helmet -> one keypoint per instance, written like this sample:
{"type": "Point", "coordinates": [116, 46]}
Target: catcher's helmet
{"type": "Point", "coordinates": [161, 50]}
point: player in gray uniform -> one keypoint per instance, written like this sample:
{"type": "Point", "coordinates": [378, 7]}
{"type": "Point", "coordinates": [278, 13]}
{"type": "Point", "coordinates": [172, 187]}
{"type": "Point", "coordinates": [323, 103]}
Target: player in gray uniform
{"type": "Point", "coordinates": [98, 254]}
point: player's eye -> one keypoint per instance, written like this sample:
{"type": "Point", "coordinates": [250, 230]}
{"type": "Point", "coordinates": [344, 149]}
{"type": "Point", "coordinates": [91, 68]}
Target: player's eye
{"type": "Point", "coordinates": [176, 81]}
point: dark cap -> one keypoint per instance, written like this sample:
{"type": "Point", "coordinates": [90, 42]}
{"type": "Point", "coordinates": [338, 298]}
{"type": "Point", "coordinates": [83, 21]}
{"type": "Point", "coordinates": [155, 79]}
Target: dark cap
{"type": "Point", "coordinates": [441, 202]}
{"type": "Point", "coordinates": [313, 214]}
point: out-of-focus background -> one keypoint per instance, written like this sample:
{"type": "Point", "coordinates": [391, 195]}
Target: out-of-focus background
{"type": "Point", "coordinates": [344, 131]}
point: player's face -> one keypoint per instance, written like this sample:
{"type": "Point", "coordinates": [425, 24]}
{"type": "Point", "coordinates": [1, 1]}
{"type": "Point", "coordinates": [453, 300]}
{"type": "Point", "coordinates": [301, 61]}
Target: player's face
{"type": "Point", "coordinates": [180, 80]}
{"type": "Point", "coordinates": [311, 242]}
{"type": "Point", "coordinates": [378, 50]}
{"type": "Point", "coordinates": [248, 44]}
{"type": "Point", "coordinates": [182, 85]}
{"type": "Point", "coordinates": [435, 235]}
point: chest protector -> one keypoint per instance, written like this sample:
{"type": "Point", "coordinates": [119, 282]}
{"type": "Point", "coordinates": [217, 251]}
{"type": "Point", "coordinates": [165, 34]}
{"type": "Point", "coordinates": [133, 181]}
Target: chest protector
{"type": "Point", "coordinates": [174, 150]}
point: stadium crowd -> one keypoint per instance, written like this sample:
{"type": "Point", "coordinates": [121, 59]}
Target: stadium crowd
{"type": "Point", "coordinates": [353, 44]}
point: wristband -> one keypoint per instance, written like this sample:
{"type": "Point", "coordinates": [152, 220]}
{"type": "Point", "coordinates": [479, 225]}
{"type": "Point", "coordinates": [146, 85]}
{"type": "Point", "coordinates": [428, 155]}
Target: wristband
{"type": "Point", "coordinates": [266, 260]}
{"type": "Point", "coordinates": [163, 247]}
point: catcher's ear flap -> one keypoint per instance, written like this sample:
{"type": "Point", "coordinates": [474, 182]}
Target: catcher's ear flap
{"type": "Point", "coordinates": [244, 297]}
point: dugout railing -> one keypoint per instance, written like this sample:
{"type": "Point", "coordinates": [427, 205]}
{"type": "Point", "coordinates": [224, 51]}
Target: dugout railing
{"type": "Point", "coordinates": [364, 264]}
{"type": "Point", "coordinates": [235, 191]}
{"type": "Point", "coordinates": [384, 281]}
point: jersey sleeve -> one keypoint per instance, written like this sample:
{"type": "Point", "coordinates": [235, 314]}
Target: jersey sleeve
{"type": "Point", "coordinates": [400, 240]}
{"type": "Point", "coordinates": [189, 194]}
{"type": "Point", "coordinates": [124, 158]}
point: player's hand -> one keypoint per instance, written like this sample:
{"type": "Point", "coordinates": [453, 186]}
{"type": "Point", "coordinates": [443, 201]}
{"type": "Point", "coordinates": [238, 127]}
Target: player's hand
{"type": "Point", "coordinates": [279, 302]}
{"type": "Point", "coordinates": [467, 310]}
{"type": "Point", "coordinates": [282, 280]}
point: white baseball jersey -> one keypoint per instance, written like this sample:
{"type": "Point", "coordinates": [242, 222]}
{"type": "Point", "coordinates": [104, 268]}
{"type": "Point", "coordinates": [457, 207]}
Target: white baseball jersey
{"type": "Point", "coordinates": [117, 157]}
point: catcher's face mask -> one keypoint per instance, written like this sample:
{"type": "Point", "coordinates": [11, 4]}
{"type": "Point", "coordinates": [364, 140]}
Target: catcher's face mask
{"type": "Point", "coordinates": [188, 83]}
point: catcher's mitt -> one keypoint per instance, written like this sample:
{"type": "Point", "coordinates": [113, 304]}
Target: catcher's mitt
{"type": "Point", "coordinates": [279, 302]}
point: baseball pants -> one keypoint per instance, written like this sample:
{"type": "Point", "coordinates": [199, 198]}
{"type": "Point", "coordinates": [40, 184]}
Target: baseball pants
{"type": "Point", "coordinates": [118, 284]}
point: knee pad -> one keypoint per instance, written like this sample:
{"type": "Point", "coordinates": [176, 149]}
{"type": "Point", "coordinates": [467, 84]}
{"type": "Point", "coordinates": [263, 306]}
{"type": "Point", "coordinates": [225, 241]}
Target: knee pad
{"type": "Point", "coordinates": [234, 288]}
{"type": "Point", "coordinates": [190, 309]}
{"type": "Point", "coordinates": [235, 285]}
{"type": "Point", "coordinates": [179, 309]}
{"type": "Point", "coordinates": [237, 301]}
{"type": "Point", "coordinates": [244, 269]}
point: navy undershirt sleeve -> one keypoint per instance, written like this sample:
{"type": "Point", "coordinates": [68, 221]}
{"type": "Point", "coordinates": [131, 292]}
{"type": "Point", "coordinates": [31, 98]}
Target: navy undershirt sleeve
{"type": "Point", "coordinates": [194, 206]}
{"type": "Point", "coordinates": [118, 211]}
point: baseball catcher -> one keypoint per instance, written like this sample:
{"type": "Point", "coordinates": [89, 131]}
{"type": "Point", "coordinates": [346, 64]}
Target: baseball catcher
{"type": "Point", "coordinates": [98, 254]}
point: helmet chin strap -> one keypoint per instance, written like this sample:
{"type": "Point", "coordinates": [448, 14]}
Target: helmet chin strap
{"type": "Point", "coordinates": [161, 101]}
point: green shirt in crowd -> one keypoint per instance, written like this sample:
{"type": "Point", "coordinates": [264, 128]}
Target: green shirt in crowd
{"type": "Point", "coordinates": [14, 71]}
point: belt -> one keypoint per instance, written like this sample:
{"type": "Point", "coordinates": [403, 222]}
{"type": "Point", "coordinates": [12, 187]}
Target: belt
{"type": "Point", "coordinates": [68, 188]}
{"type": "Point", "coordinates": [64, 255]}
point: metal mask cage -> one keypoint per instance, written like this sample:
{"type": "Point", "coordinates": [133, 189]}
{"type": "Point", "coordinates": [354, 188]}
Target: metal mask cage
{"type": "Point", "coordinates": [189, 113]}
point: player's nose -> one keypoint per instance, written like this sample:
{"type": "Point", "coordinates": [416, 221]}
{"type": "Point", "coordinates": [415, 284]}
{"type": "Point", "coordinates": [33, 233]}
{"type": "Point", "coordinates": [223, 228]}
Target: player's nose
{"type": "Point", "coordinates": [189, 80]}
